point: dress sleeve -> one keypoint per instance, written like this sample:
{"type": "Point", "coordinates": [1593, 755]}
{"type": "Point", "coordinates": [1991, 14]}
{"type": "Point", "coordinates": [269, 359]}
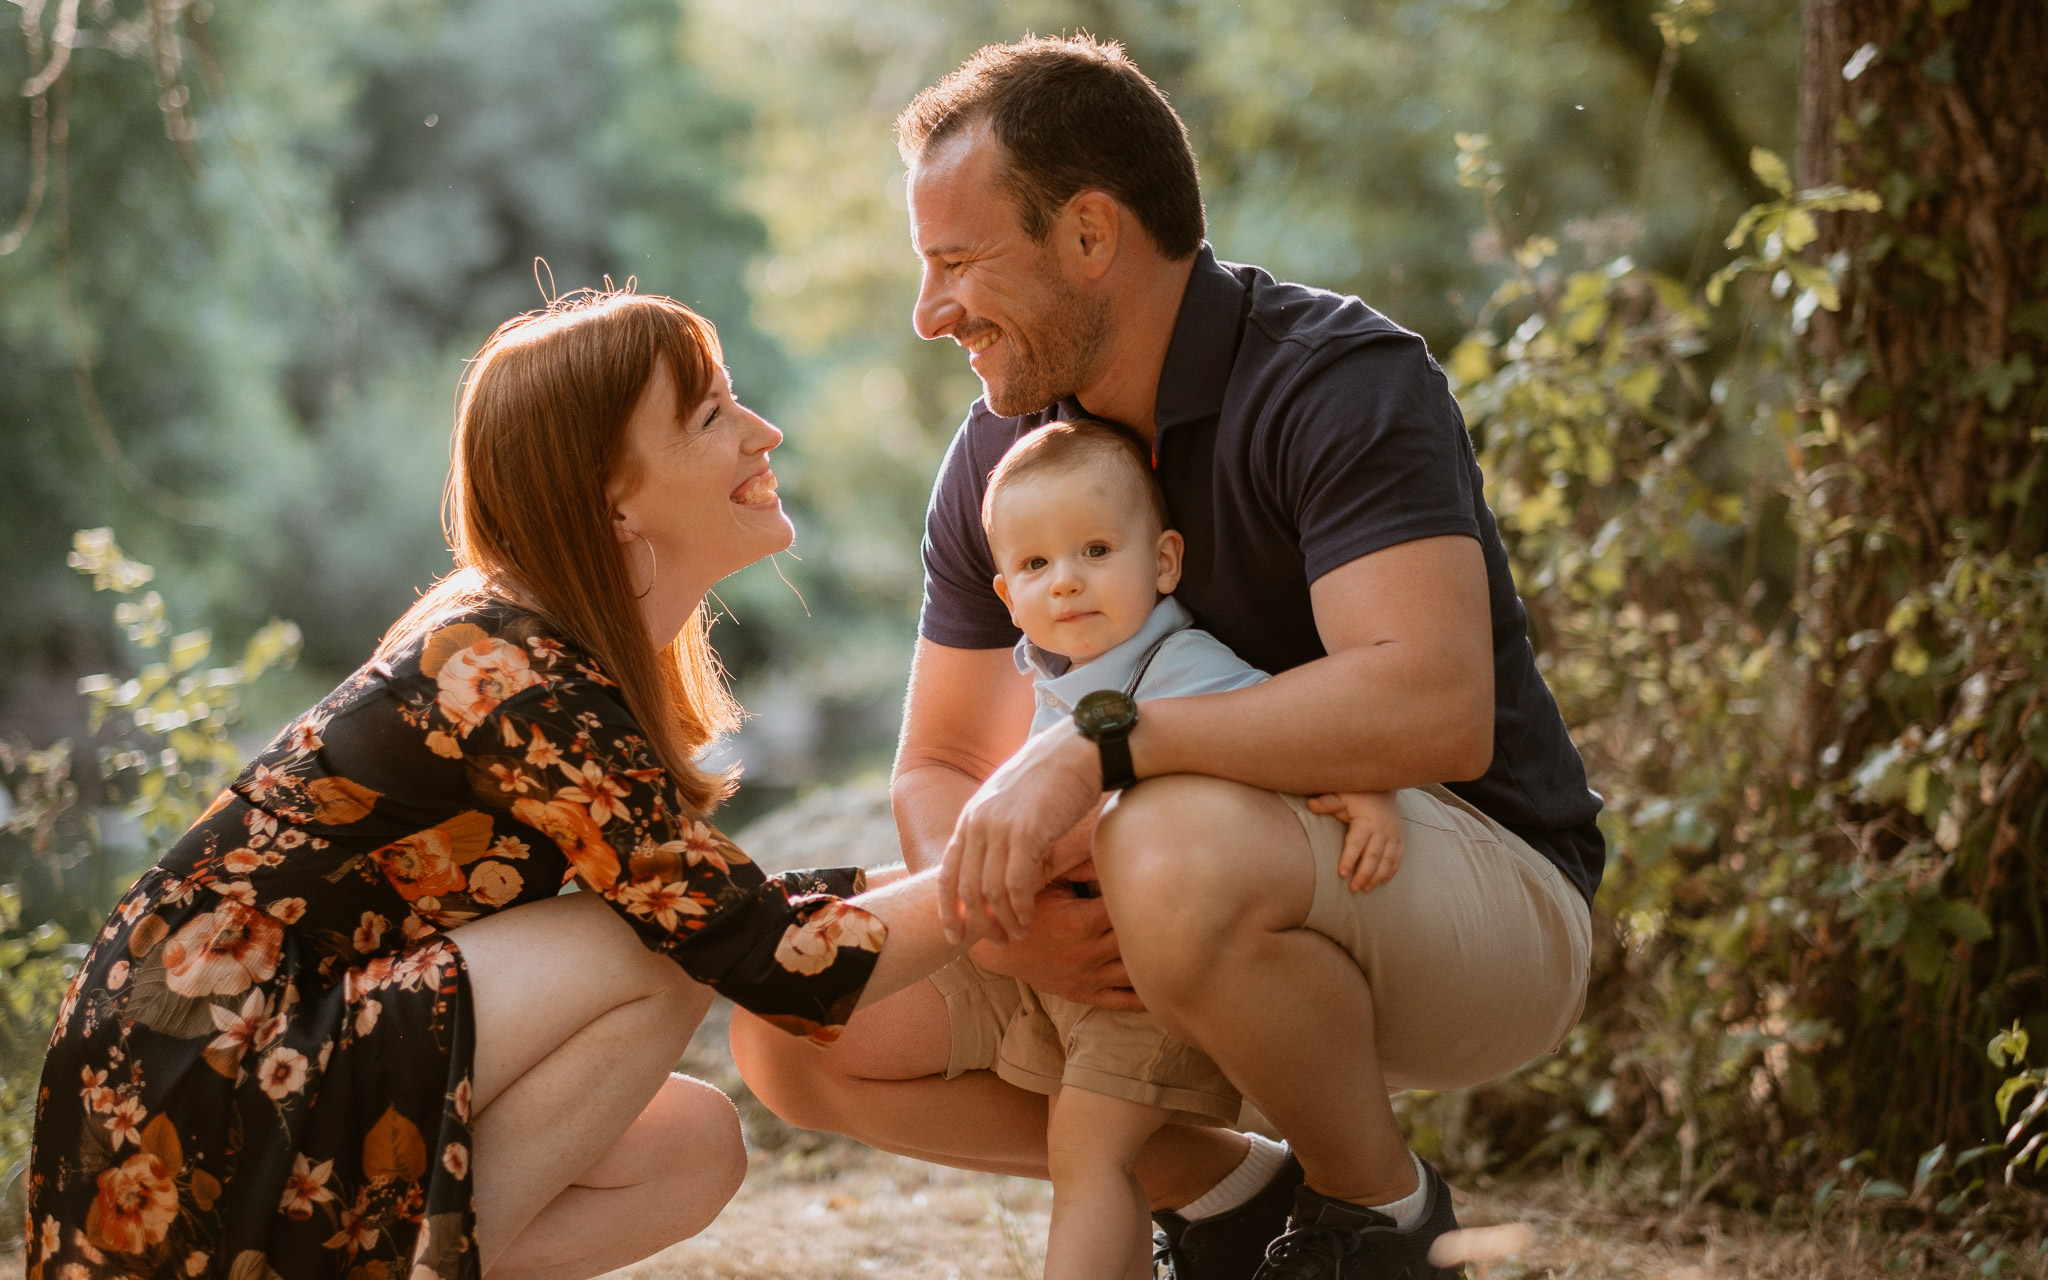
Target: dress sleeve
{"type": "Point", "coordinates": [568, 760]}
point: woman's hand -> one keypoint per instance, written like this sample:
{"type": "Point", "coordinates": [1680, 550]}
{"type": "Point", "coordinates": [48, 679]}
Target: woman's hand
{"type": "Point", "coordinates": [997, 860]}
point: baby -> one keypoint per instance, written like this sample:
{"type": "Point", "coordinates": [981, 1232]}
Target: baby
{"type": "Point", "coordinates": [1085, 564]}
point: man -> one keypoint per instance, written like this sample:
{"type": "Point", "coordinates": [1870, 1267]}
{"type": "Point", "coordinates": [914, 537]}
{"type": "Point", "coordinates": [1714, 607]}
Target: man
{"type": "Point", "coordinates": [1315, 463]}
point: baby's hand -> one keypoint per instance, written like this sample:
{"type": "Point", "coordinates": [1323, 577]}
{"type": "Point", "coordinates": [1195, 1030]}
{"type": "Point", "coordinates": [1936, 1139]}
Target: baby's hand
{"type": "Point", "coordinates": [1372, 846]}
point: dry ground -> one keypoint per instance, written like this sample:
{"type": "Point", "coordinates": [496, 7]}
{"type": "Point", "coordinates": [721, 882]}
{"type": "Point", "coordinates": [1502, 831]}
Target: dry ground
{"type": "Point", "coordinates": [827, 1208]}
{"type": "Point", "coordinates": [818, 1208]}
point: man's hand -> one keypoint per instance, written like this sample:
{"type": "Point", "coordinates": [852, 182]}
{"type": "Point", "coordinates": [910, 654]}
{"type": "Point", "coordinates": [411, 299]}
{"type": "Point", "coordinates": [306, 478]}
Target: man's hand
{"type": "Point", "coordinates": [997, 859]}
{"type": "Point", "coordinates": [1071, 952]}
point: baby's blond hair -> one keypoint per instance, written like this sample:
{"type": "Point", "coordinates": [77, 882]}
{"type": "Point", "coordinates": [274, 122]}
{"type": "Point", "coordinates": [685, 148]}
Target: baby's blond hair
{"type": "Point", "coordinates": [1076, 446]}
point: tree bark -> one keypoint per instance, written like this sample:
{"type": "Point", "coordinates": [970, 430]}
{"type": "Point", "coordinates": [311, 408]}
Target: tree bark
{"type": "Point", "coordinates": [1941, 107]}
{"type": "Point", "coordinates": [1934, 369]}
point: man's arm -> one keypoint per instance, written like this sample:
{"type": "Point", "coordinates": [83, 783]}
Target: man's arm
{"type": "Point", "coordinates": [968, 710]}
{"type": "Point", "coordinates": [1404, 697]}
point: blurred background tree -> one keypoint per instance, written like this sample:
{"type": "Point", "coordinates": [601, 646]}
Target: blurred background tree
{"type": "Point", "coordinates": [257, 240]}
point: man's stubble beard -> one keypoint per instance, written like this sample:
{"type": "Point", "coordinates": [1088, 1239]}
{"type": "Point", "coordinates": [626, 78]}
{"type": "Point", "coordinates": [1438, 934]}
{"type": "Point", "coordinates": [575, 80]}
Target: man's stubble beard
{"type": "Point", "coordinates": [1057, 359]}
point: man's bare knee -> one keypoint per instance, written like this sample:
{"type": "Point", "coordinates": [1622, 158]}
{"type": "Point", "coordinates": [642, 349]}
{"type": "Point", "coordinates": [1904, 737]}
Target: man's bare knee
{"type": "Point", "coordinates": [1178, 857]}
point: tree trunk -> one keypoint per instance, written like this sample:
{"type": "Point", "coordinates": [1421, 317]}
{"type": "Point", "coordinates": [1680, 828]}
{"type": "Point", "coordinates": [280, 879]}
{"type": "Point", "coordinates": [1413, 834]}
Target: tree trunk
{"type": "Point", "coordinates": [1933, 370]}
{"type": "Point", "coordinates": [1941, 107]}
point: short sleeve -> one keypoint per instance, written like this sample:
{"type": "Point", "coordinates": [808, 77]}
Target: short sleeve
{"type": "Point", "coordinates": [961, 609]}
{"type": "Point", "coordinates": [568, 760]}
{"type": "Point", "coordinates": [1191, 662]}
{"type": "Point", "coordinates": [1369, 451]}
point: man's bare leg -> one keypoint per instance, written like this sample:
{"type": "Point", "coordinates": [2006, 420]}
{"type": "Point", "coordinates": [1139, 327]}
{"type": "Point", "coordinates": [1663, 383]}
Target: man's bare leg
{"type": "Point", "coordinates": [1208, 883]}
{"type": "Point", "coordinates": [883, 1084]}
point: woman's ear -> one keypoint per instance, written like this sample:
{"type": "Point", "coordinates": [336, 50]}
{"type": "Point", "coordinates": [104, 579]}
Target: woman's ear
{"type": "Point", "coordinates": [1171, 545]}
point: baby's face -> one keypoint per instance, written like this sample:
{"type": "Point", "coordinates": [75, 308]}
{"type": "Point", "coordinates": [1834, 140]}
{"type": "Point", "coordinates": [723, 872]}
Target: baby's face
{"type": "Point", "coordinates": [1079, 561]}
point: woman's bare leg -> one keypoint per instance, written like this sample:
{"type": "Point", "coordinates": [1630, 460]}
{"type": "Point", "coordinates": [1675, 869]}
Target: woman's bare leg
{"type": "Point", "coordinates": [577, 1025]}
{"type": "Point", "coordinates": [641, 1196]}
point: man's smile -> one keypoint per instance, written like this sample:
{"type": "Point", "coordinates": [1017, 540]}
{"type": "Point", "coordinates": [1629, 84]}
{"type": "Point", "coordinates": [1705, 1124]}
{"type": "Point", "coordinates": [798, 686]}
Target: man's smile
{"type": "Point", "coordinates": [979, 341]}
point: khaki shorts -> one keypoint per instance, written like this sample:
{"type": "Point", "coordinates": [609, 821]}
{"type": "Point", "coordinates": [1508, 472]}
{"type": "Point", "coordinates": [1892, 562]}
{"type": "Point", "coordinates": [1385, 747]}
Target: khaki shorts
{"type": "Point", "coordinates": [1042, 1042]}
{"type": "Point", "coordinates": [1477, 953]}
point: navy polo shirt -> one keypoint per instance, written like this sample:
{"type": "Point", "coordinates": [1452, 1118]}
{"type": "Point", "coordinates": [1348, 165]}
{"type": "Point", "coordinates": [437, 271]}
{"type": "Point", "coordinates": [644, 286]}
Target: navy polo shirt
{"type": "Point", "coordinates": [1298, 430]}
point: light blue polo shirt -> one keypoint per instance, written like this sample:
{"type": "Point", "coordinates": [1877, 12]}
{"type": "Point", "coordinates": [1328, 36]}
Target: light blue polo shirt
{"type": "Point", "coordinates": [1189, 662]}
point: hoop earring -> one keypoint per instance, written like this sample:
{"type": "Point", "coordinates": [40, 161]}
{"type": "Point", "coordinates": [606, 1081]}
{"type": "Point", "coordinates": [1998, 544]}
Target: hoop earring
{"type": "Point", "coordinates": [653, 566]}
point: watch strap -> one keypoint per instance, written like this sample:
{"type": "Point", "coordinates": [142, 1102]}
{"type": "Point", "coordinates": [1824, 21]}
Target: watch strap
{"type": "Point", "coordinates": [1117, 773]}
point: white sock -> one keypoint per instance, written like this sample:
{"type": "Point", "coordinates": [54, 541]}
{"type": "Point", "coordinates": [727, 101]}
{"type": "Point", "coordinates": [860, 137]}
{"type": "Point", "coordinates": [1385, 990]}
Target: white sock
{"type": "Point", "coordinates": [1407, 1211]}
{"type": "Point", "coordinates": [1250, 1177]}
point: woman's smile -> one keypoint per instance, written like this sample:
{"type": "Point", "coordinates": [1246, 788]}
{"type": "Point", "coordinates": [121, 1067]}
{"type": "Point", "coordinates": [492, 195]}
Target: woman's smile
{"type": "Point", "coordinates": [758, 490]}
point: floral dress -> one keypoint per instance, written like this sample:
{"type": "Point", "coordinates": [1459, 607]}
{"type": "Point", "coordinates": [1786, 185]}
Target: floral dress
{"type": "Point", "coordinates": [262, 1069]}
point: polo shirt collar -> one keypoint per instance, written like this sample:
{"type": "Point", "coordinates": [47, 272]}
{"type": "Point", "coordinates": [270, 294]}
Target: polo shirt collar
{"type": "Point", "coordinates": [1055, 675]}
{"type": "Point", "coordinates": [1200, 355]}
{"type": "Point", "coordinates": [1204, 346]}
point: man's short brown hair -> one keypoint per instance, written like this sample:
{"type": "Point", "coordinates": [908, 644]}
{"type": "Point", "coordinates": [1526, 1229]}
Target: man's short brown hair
{"type": "Point", "coordinates": [1079, 445]}
{"type": "Point", "coordinates": [1073, 113]}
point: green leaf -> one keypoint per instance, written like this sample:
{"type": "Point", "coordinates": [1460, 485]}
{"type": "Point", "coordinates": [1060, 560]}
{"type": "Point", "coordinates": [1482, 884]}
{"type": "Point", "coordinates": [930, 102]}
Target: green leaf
{"type": "Point", "coordinates": [1770, 170]}
{"type": "Point", "coordinates": [1924, 952]}
{"type": "Point", "coordinates": [1883, 1189]}
{"type": "Point", "coordinates": [1964, 920]}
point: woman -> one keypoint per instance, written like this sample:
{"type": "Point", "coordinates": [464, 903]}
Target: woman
{"type": "Point", "coordinates": [346, 1027]}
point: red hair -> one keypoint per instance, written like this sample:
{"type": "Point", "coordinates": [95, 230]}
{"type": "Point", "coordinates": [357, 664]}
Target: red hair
{"type": "Point", "coordinates": [540, 436]}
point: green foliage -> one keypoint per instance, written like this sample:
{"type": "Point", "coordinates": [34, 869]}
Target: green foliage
{"type": "Point", "coordinates": [1657, 485]}
{"type": "Point", "coordinates": [2022, 1102]}
{"type": "Point", "coordinates": [163, 751]}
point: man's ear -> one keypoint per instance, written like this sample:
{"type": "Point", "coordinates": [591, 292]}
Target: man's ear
{"type": "Point", "coordinates": [1003, 593]}
{"type": "Point", "coordinates": [1171, 545]}
{"type": "Point", "coordinates": [1092, 227]}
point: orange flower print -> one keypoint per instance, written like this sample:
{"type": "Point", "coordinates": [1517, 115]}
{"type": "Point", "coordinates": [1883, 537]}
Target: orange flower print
{"type": "Point", "coordinates": [241, 862]}
{"type": "Point", "coordinates": [455, 1159]}
{"type": "Point", "coordinates": [366, 1017]}
{"type": "Point", "coordinates": [494, 884]}
{"type": "Point", "coordinates": [811, 947]}
{"type": "Point", "coordinates": [303, 738]}
{"type": "Point", "coordinates": [117, 975]}
{"type": "Point", "coordinates": [222, 952]}
{"type": "Point", "coordinates": [306, 1187]}
{"type": "Point", "coordinates": [662, 903]}
{"type": "Point", "coordinates": [705, 847]}
{"type": "Point", "coordinates": [263, 780]}
{"type": "Point", "coordinates": [238, 1031]}
{"type": "Point", "coordinates": [568, 825]}
{"type": "Point", "coordinates": [282, 1074]}
{"type": "Point", "coordinates": [136, 1204]}
{"type": "Point", "coordinates": [540, 753]}
{"type": "Point", "coordinates": [288, 910]}
{"type": "Point", "coordinates": [125, 1123]}
{"type": "Point", "coordinates": [591, 785]}
{"type": "Point", "coordinates": [428, 863]}
{"type": "Point", "coordinates": [475, 679]}
{"type": "Point", "coordinates": [370, 932]}
{"type": "Point", "coordinates": [462, 1096]}
{"type": "Point", "coordinates": [98, 1097]}
{"type": "Point", "coordinates": [358, 1227]}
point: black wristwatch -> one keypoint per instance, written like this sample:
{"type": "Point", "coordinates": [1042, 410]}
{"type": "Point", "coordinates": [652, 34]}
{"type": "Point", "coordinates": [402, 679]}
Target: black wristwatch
{"type": "Point", "coordinates": [1108, 716]}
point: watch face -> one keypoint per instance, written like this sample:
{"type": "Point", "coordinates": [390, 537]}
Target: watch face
{"type": "Point", "coordinates": [1105, 711]}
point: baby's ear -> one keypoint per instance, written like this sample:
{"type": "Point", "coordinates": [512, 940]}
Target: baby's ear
{"type": "Point", "coordinates": [1171, 545]}
{"type": "Point", "coordinates": [1003, 593]}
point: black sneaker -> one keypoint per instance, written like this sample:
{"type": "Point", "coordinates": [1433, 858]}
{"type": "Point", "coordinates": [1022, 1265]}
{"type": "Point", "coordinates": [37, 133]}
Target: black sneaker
{"type": "Point", "coordinates": [1230, 1245]}
{"type": "Point", "coordinates": [1336, 1240]}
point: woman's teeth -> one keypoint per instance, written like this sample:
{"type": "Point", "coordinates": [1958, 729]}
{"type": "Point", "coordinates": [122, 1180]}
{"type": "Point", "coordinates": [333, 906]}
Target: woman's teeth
{"type": "Point", "coordinates": [757, 490]}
